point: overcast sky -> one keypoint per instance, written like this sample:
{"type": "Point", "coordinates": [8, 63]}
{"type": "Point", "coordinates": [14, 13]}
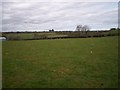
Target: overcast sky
{"type": "Point", "coordinates": [43, 16]}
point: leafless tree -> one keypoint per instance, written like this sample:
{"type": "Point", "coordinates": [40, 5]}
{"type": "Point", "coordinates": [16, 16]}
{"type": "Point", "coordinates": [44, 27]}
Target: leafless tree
{"type": "Point", "coordinates": [82, 30]}
{"type": "Point", "coordinates": [79, 28]}
{"type": "Point", "coordinates": [85, 28]}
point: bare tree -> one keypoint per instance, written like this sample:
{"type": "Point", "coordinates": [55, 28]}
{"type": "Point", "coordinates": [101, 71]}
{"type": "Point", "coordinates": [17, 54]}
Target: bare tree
{"type": "Point", "coordinates": [79, 28]}
{"type": "Point", "coordinates": [82, 30]}
{"type": "Point", "coordinates": [85, 28]}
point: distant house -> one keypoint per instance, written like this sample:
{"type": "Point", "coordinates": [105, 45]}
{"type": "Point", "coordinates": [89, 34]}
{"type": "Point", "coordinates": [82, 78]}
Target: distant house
{"type": "Point", "coordinates": [2, 38]}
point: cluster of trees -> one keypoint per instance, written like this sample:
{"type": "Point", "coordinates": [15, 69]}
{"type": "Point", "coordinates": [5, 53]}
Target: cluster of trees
{"type": "Point", "coordinates": [82, 28]}
{"type": "Point", "coordinates": [51, 30]}
{"type": "Point", "coordinates": [115, 29]}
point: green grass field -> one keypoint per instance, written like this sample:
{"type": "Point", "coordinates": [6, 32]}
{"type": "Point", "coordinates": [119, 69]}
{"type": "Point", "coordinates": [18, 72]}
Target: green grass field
{"type": "Point", "coordinates": [61, 63]}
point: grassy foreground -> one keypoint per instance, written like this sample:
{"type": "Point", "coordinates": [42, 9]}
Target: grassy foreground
{"type": "Point", "coordinates": [61, 63]}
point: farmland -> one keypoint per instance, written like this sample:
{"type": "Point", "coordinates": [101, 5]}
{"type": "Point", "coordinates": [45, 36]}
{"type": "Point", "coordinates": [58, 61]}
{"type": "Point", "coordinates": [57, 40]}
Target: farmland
{"type": "Point", "coordinates": [61, 63]}
{"type": "Point", "coordinates": [57, 34]}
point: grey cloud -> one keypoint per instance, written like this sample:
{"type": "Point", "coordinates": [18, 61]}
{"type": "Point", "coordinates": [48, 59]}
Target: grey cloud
{"type": "Point", "coordinates": [32, 15]}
